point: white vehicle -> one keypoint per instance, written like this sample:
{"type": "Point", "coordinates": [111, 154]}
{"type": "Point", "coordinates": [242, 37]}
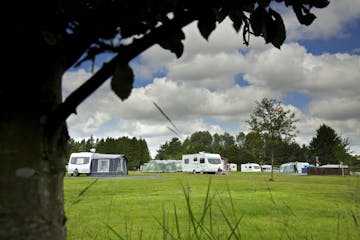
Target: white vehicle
{"type": "Point", "coordinates": [97, 164]}
{"type": "Point", "coordinates": [250, 167]}
{"type": "Point", "coordinates": [202, 163]}
{"type": "Point", "coordinates": [266, 168]}
{"type": "Point", "coordinates": [232, 167]}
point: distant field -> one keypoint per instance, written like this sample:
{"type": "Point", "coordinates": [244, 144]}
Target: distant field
{"type": "Point", "coordinates": [238, 205]}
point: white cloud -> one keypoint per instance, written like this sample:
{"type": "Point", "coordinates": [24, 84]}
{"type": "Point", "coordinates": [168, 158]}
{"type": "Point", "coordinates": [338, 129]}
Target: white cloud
{"type": "Point", "coordinates": [73, 80]}
{"type": "Point", "coordinates": [95, 121]}
{"type": "Point", "coordinates": [294, 68]}
{"type": "Point", "coordinates": [331, 21]}
{"type": "Point", "coordinates": [337, 108]}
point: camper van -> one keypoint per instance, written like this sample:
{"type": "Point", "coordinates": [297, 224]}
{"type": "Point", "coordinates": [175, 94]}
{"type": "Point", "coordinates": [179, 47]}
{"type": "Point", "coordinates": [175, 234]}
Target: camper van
{"type": "Point", "coordinates": [90, 163]}
{"type": "Point", "coordinates": [250, 167]}
{"type": "Point", "coordinates": [202, 163]}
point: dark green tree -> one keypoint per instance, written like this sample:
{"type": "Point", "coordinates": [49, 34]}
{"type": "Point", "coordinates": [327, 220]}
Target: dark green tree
{"type": "Point", "coordinates": [144, 151]}
{"type": "Point", "coordinates": [329, 146]}
{"type": "Point", "coordinates": [231, 152]}
{"type": "Point", "coordinates": [74, 146]}
{"type": "Point", "coordinates": [171, 150]}
{"type": "Point", "coordinates": [226, 139]}
{"type": "Point", "coordinates": [224, 144]}
{"type": "Point", "coordinates": [187, 146]}
{"type": "Point", "coordinates": [254, 146]}
{"type": "Point", "coordinates": [222, 140]}
{"type": "Point", "coordinates": [200, 141]}
{"type": "Point", "coordinates": [86, 144]}
{"type": "Point", "coordinates": [274, 123]}
{"type": "Point", "coordinates": [44, 39]}
{"type": "Point", "coordinates": [285, 151]}
{"type": "Point", "coordinates": [244, 156]}
{"type": "Point", "coordinates": [216, 144]}
{"type": "Point", "coordinates": [240, 139]}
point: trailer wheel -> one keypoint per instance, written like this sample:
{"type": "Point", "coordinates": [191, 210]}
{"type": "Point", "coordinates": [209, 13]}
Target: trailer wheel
{"type": "Point", "coordinates": [76, 173]}
{"type": "Point", "coordinates": [194, 172]}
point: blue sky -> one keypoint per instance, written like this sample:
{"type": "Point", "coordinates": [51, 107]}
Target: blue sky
{"type": "Point", "coordinates": [214, 85]}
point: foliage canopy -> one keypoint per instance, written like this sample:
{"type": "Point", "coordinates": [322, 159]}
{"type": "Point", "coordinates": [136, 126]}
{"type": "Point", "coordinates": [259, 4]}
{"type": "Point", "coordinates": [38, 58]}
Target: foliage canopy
{"type": "Point", "coordinates": [329, 147]}
{"type": "Point", "coordinates": [269, 118]}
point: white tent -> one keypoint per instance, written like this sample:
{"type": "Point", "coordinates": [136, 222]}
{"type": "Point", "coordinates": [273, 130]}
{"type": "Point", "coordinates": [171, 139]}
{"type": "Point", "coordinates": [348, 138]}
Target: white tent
{"type": "Point", "coordinates": [294, 167]}
{"type": "Point", "coordinates": [158, 166]}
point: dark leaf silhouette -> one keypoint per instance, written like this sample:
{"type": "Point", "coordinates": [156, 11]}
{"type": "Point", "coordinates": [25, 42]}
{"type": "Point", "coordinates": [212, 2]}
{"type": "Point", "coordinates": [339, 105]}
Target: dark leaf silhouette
{"type": "Point", "coordinates": [122, 81]}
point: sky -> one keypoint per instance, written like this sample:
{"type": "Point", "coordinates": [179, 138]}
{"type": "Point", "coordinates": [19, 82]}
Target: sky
{"type": "Point", "coordinates": [214, 86]}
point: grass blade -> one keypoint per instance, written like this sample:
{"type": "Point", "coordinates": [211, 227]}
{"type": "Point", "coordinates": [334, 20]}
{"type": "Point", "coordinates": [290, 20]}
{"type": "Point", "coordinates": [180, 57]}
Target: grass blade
{"type": "Point", "coordinates": [271, 196]}
{"type": "Point", "coordinates": [164, 114]}
{"type": "Point", "coordinates": [177, 223]}
{"type": "Point", "coordinates": [113, 231]}
{"type": "Point", "coordinates": [232, 228]}
{"type": "Point", "coordinates": [87, 188]}
{"type": "Point", "coordinates": [190, 212]}
{"type": "Point", "coordinates": [165, 229]}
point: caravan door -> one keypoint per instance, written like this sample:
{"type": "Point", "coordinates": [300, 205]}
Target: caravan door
{"type": "Point", "coordinates": [202, 164]}
{"type": "Point", "coordinates": [196, 164]}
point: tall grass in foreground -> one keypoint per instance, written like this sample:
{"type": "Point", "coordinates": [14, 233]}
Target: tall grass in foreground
{"type": "Point", "coordinates": [355, 213]}
{"type": "Point", "coordinates": [201, 226]}
{"type": "Point", "coordinates": [198, 227]}
{"type": "Point", "coordinates": [226, 208]}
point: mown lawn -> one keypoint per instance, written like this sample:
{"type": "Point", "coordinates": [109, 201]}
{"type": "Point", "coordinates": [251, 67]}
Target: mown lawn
{"type": "Point", "coordinates": [237, 206]}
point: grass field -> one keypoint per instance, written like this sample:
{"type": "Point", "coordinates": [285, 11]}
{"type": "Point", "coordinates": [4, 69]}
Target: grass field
{"type": "Point", "coordinates": [235, 206]}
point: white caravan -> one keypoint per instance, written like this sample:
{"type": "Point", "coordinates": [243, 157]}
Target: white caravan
{"type": "Point", "coordinates": [202, 163]}
{"type": "Point", "coordinates": [266, 168]}
{"type": "Point", "coordinates": [250, 167]}
{"type": "Point", "coordinates": [97, 163]}
{"type": "Point", "coordinates": [233, 167]}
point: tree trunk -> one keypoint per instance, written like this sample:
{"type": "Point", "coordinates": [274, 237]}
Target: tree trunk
{"type": "Point", "coordinates": [31, 153]}
{"type": "Point", "coordinates": [272, 165]}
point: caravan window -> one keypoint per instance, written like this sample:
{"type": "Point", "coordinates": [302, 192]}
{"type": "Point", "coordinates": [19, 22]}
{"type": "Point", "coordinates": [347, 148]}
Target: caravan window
{"type": "Point", "coordinates": [214, 160]}
{"type": "Point", "coordinates": [202, 160]}
{"type": "Point", "coordinates": [103, 165]}
{"type": "Point", "coordinates": [79, 160]}
{"type": "Point", "coordinates": [186, 161]}
{"type": "Point", "coordinates": [195, 159]}
{"type": "Point", "coordinates": [120, 166]}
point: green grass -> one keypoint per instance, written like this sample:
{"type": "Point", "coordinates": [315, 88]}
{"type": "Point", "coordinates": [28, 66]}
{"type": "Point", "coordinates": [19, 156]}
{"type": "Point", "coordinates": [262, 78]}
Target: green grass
{"type": "Point", "coordinates": [235, 206]}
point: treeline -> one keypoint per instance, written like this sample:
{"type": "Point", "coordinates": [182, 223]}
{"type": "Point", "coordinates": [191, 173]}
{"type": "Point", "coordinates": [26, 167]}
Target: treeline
{"type": "Point", "coordinates": [243, 148]}
{"type": "Point", "coordinates": [136, 150]}
{"type": "Point", "coordinates": [327, 145]}
{"type": "Point", "coordinates": [254, 147]}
